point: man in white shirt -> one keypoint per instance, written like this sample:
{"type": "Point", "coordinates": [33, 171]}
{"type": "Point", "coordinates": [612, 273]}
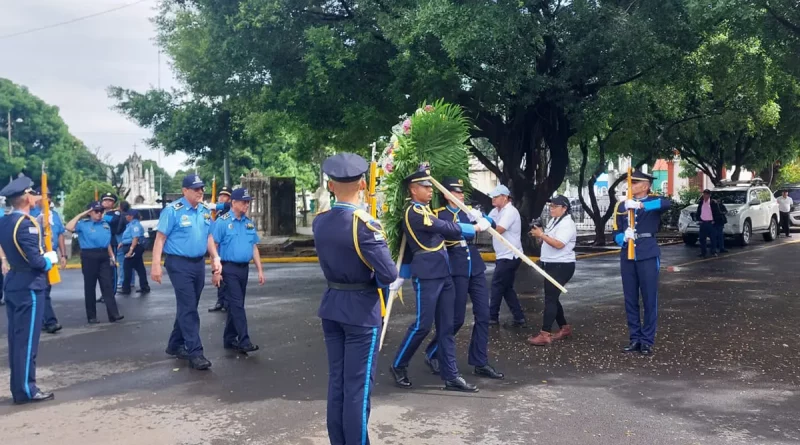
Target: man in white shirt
{"type": "Point", "coordinates": [507, 223]}
{"type": "Point", "coordinates": [784, 207]}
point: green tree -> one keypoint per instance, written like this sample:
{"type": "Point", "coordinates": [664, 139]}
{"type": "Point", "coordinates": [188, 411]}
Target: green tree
{"type": "Point", "coordinates": [343, 71]}
{"type": "Point", "coordinates": [80, 196]}
{"type": "Point", "coordinates": [40, 135]}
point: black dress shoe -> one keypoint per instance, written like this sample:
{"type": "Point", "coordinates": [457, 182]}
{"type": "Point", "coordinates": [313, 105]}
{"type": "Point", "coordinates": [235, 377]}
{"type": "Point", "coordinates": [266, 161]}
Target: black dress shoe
{"type": "Point", "coordinates": [724, 251]}
{"type": "Point", "coordinates": [180, 353]}
{"type": "Point", "coordinates": [93, 321]}
{"type": "Point", "coordinates": [246, 349]}
{"type": "Point", "coordinates": [116, 319]}
{"type": "Point", "coordinates": [40, 396]}
{"type": "Point", "coordinates": [489, 372]}
{"type": "Point", "coordinates": [433, 364]}
{"type": "Point", "coordinates": [459, 384]}
{"type": "Point", "coordinates": [143, 291]}
{"type": "Point", "coordinates": [53, 328]}
{"type": "Point", "coordinates": [216, 308]}
{"type": "Point", "coordinates": [124, 292]}
{"type": "Point", "coordinates": [493, 322]}
{"type": "Point", "coordinates": [646, 350]}
{"type": "Point", "coordinates": [634, 346]}
{"type": "Point", "coordinates": [516, 324]}
{"type": "Point", "coordinates": [400, 377]}
{"type": "Point", "coordinates": [199, 363]}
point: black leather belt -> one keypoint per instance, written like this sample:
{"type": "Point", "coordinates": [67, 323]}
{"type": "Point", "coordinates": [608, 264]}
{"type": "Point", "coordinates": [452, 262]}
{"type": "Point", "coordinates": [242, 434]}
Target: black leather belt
{"type": "Point", "coordinates": [21, 269]}
{"type": "Point", "coordinates": [232, 263]}
{"type": "Point", "coordinates": [352, 286]}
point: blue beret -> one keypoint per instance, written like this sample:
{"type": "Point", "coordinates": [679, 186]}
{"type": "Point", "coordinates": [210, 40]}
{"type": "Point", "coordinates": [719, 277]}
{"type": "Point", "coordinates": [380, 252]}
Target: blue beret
{"type": "Point", "coordinates": [241, 194]}
{"type": "Point", "coordinates": [345, 167]}
{"type": "Point", "coordinates": [17, 187]}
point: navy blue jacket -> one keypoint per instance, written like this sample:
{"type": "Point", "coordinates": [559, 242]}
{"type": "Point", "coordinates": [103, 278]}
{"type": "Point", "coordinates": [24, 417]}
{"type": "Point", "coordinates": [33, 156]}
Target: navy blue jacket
{"type": "Point", "coordinates": [465, 258]}
{"type": "Point", "coordinates": [352, 249]}
{"type": "Point", "coordinates": [21, 239]}
{"type": "Point", "coordinates": [425, 238]}
{"type": "Point", "coordinates": [647, 221]}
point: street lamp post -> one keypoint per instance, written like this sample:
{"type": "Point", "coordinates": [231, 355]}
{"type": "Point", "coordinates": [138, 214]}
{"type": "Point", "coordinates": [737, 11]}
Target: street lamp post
{"type": "Point", "coordinates": [19, 120]}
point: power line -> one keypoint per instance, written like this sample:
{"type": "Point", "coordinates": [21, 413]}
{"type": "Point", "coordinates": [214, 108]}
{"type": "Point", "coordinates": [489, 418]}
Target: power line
{"type": "Point", "coordinates": [78, 19]}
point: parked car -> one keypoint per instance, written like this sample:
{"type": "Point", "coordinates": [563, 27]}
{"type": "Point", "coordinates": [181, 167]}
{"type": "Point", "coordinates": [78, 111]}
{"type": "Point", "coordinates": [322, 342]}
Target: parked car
{"type": "Point", "coordinates": [794, 193]}
{"type": "Point", "coordinates": [148, 215]}
{"type": "Point", "coordinates": [751, 206]}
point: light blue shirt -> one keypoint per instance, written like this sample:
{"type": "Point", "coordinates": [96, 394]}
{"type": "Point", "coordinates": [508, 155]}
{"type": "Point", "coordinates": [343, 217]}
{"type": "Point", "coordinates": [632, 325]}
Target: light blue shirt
{"type": "Point", "coordinates": [93, 235]}
{"type": "Point", "coordinates": [133, 230]}
{"type": "Point", "coordinates": [56, 223]}
{"type": "Point", "coordinates": [236, 237]}
{"type": "Point", "coordinates": [186, 229]}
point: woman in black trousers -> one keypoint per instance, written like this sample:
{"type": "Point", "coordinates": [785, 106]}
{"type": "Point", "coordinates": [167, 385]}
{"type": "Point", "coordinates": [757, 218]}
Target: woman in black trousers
{"type": "Point", "coordinates": [558, 260]}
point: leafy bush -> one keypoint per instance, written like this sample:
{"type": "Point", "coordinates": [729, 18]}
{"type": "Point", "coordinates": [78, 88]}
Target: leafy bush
{"type": "Point", "coordinates": [77, 200]}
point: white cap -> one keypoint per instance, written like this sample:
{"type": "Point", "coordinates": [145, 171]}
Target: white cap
{"type": "Point", "coordinates": [499, 190]}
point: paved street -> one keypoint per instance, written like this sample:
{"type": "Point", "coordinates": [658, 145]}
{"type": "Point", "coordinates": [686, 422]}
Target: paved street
{"type": "Point", "coordinates": [726, 368]}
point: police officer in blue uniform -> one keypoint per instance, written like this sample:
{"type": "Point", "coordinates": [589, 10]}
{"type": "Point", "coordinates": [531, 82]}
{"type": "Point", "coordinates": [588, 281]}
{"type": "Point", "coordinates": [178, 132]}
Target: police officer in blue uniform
{"type": "Point", "coordinates": [223, 207]}
{"type": "Point", "coordinates": [433, 285]}
{"type": "Point", "coordinates": [237, 241]}
{"type": "Point", "coordinates": [640, 275]}
{"type": "Point", "coordinates": [114, 219]}
{"type": "Point", "coordinates": [97, 260]}
{"type": "Point", "coordinates": [469, 277]}
{"type": "Point", "coordinates": [131, 245]}
{"type": "Point", "coordinates": [21, 241]}
{"type": "Point", "coordinates": [356, 261]}
{"type": "Point", "coordinates": [184, 235]}
{"type": "Point", "coordinates": [50, 324]}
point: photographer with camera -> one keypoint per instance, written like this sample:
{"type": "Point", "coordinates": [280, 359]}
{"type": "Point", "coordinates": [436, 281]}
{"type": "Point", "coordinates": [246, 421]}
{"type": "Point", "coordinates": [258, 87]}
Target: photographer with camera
{"type": "Point", "coordinates": [558, 260]}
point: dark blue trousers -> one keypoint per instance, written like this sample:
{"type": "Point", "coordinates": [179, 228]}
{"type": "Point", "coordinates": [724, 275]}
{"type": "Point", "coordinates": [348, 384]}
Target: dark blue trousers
{"type": "Point", "coordinates": [435, 301]}
{"type": "Point", "coordinates": [234, 275]}
{"type": "Point", "coordinates": [707, 230]}
{"type": "Point", "coordinates": [719, 236]}
{"type": "Point", "coordinates": [25, 310]}
{"type": "Point", "coordinates": [479, 293]}
{"type": "Point", "coordinates": [352, 360]}
{"type": "Point", "coordinates": [188, 277]}
{"type": "Point", "coordinates": [131, 265]}
{"type": "Point", "coordinates": [49, 315]}
{"type": "Point", "coordinates": [641, 277]}
{"type": "Point", "coordinates": [505, 272]}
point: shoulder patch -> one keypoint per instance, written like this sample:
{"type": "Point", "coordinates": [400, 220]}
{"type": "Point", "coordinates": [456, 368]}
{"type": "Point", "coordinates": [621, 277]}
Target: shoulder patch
{"type": "Point", "coordinates": [33, 230]}
{"type": "Point", "coordinates": [177, 205]}
{"type": "Point", "coordinates": [227, 215]}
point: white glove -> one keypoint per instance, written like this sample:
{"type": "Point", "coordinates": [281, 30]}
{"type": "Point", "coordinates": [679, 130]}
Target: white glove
{"type": "Point", "coordinates": [483, 224]}
{"type": "Point", "coordinates": [474, 215]}
{"type": "Point", "coordinates": [52, 256]}
{"type": "Point", "coordinates": [632, 204]}
{"type": "Point", "coordinates": [630, 234]}
{"type": "Point", "coordinates": [398, 283]}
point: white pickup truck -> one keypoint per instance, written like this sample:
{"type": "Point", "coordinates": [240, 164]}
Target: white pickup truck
{"type": "Point", "coordinates": [751, 207]}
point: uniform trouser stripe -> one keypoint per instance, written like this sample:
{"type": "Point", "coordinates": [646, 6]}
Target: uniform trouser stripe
{"type": "Point", "coordinates": [416, 326]}
{"type": "Point", "coordinates": [367, 379]}
{"type": "Point", "coordinates": [30, 347]}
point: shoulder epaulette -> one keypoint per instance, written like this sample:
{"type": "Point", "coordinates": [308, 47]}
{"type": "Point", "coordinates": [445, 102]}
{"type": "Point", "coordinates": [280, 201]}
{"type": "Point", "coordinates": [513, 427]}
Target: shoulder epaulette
{"type": "Point", "coordinates": [227, 215]}
{"type": "Point", "coordinates": [177, 205]}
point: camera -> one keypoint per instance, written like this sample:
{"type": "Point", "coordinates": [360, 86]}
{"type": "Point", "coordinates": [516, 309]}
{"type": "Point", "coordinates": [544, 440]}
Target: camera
{"type": "Point", "coordinates": [537, 222]}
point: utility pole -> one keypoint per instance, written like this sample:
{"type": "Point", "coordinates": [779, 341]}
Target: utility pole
{"type": "Point", "coordinates": [226, 170]}
{"type": "Point", "coordinates": [9, 135]}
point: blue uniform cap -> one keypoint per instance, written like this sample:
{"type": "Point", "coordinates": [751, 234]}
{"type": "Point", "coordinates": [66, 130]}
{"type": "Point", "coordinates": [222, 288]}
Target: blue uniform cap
{"type": "Point", "coordinates": [453, 184]}
{"type": "Point", "coordinates": [345, 167]}
{"type": "Point", "coordinates": [38, 192]}
{"type": "Point", "coordinates": [96, 206]}
{"type": "Point", "coordinates": [108, 195]}
{"type": "Point", "coordinates": [422, 176]}
{"type": "Point", "coordinates": [241, 195]}
{"type": "Point", "coordinates": [224, 191]}
{"type": "Point", "coordinates": [17, 187]}
{"type": "Point", "coordinates": [132, 212]}
{"type": "Point", "coordinates": [638, 175]}
{"type": "Point", "coordinates": [192, 182]}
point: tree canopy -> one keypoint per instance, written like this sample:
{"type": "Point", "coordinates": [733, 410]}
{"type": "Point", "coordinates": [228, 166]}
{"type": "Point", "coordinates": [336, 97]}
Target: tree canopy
{"type": "Point", "coordinates": [38, 134]}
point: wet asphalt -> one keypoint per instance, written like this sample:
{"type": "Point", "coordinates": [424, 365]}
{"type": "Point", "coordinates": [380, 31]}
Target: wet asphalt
{"type": "Point", "coordinates": [726, 368]}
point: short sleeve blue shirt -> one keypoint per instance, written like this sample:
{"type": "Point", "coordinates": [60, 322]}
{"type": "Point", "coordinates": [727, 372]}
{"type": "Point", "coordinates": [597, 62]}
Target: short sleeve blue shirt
{"type": "Point", "coordinates": [186, 228]}
{"type": "Point", "coordinates": [236, 238]}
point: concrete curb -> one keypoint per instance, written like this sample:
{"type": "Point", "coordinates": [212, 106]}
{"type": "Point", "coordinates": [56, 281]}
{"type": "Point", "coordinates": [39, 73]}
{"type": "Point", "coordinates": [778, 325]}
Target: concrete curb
{"type": "Point", "coordinates": [488, 257]}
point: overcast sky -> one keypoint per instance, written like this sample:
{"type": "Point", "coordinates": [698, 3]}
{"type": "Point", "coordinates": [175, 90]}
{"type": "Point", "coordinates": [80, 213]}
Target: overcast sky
{"type": "Point", "coordinates": [71, 66]}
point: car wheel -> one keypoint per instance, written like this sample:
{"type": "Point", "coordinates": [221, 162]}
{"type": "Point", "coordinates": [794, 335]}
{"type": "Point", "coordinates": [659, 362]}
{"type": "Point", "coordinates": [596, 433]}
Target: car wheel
{"type": "Point", "coordinates": [690, 240]}
{"type": "Point", "coordinates": [747, 233]}
{"type": "Point", "coordinates": [772, 234]}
